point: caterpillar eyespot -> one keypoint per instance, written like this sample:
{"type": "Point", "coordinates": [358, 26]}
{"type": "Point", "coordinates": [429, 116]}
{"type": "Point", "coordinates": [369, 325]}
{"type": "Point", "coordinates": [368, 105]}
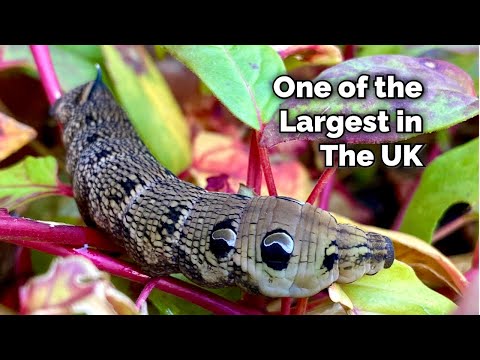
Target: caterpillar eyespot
{"type": "Point", "coordinates": [222, 242]}
{"type": "Point", "coordinates": [274, 246]}
{"type": "Point", "coordinates": [277, 249]}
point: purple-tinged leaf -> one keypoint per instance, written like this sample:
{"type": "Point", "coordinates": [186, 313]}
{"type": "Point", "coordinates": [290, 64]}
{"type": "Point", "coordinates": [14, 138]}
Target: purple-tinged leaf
{"type": "Point", "coordinates": [299, 55]}
{"type": "Point", "coordinates": [73, 285]}
{"type": "Point", "coordinates": [448, 99]}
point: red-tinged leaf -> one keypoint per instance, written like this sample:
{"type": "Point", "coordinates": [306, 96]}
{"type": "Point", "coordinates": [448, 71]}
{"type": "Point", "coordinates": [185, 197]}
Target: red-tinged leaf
{"type": "Point", "coordinates": [6, 64]}
{"type": "Point", "coordinates": [73, 285]}
{"type": "Point", "coordinates": [448, 99]}
{"type": "Point", "coordinates": [298, 55]}
{"type": "Point", "coordinates": [216, 154]}
{"type": "Point", "coordinates": [13, 135]}
{"type": "Point", "coordinates": [30, 179]}
{"type": "Point", "coordinates": [219, 183]}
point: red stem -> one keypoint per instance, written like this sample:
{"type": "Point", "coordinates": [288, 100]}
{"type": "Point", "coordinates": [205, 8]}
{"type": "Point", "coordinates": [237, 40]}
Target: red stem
{"type": "Point", "coordinates": [326, 193]}
{"type": "Point", "coordinates": [22, 231]}
{"type": "Point", "coordinates": [64, 189]}
{"type": "Point", "coordinates": [301, 307]}
{"type": "Point", "coordinates": [453, 226]}
{"type": "Point", "coordinates": [194, 294]}
{"type": "Point", "coordinates": [50, 83]}
{"type": "Point", "coordinates": [266, 167]}
{"type": "Point", "coordinates": [254, 174]}
{"type": "Point", "coordinates": [322, 181]}
{"type": "Point", "coordinates": [349, 52]}
{"type": "Point", "coordinates": [286, 306]}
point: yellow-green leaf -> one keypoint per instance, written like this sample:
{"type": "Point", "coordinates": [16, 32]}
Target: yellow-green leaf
{"type": "Point", "coordinates": [145, 96]}
{"type": "Point", "coordinates": [396, 291]}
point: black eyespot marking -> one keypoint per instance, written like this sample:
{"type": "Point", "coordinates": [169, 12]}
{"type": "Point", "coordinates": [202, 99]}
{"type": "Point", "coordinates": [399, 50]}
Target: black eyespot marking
{"type": "Point", "coordinates": [222, 240]}
{"type": "Point", "coordinates": [276, 249]}
{"type": "Point", "coordinates": [330, 260]}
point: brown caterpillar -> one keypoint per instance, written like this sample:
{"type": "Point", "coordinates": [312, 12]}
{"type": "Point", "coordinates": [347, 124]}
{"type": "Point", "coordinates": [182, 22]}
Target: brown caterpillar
{"type": "Point", "coordinates": [275, 246]}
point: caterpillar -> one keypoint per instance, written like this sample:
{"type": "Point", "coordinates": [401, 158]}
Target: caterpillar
{"type": "Point", "coordinates": [274, 246]}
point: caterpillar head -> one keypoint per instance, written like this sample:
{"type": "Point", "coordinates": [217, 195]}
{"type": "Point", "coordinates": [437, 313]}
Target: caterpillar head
{"type": "Point", "coordinates": [84, 101]}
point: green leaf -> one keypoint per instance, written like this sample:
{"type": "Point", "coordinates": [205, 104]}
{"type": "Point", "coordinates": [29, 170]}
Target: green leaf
{"type": "Point", "coordinates": [451, 178]}
{"type": "Point", "coordinates": [167, 304]}
{"type": "Point", "coordinates": [73, 285]}
{"type": "Point", "coordinates": [448, 99]}
{"type": "Point", "coordinates": [396, 291]}
{"type": "Point", "coordinates": [74, 64]}
{"type": "Point", "coordinates": [41, 261]}
{"type": "Point", "coordinates": [146, 98]}
{"type": "Point", "coordinates": [240, 76]}
{"type": "Point", "coordinates": [54, 208]}
{"type": "Point", "coordinates": [371, 50]}
{"type": "Point", "coordinates": [30, 179]}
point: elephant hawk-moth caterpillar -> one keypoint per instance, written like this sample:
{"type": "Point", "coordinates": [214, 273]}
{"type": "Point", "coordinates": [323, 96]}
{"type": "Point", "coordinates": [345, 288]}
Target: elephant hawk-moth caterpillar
{"type": "Point", "coordinates": [274, 246]}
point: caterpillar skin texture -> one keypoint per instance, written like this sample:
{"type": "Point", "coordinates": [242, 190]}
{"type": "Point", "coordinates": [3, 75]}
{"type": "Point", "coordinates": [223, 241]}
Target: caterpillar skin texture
{"type": "Point", "coordinates": [275, 246]}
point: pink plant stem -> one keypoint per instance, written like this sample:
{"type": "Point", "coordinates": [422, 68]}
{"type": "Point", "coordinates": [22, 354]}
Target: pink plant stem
{"type": "Point", "coordinates": [142, 298]}
{"type": "Point", "coordinates": [64, 189]}
{"type": "Point", "coordinates": [23, 231]}
{"type": "Point", "coordinates": [326, 193]}
{"type": "Point", "coordinates": [320, 185]}
{"type": "Point", "coordinates": [454, 226]}
{"type": "Point", "coordinates": [434, 152]}
{"type": "Point", "coordinates": [196, 295]}
{"type": "Point", "coordinates": [50, 83]}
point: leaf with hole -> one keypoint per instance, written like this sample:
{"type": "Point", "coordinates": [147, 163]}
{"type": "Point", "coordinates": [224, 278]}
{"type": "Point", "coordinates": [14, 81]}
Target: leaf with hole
{"type": "Point", "coordinates": [451, 178]}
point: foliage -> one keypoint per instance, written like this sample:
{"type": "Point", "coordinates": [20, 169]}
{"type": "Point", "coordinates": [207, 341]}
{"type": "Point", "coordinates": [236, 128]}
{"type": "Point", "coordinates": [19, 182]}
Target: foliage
{"type": "Point", "coordinates": [195, 107]}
